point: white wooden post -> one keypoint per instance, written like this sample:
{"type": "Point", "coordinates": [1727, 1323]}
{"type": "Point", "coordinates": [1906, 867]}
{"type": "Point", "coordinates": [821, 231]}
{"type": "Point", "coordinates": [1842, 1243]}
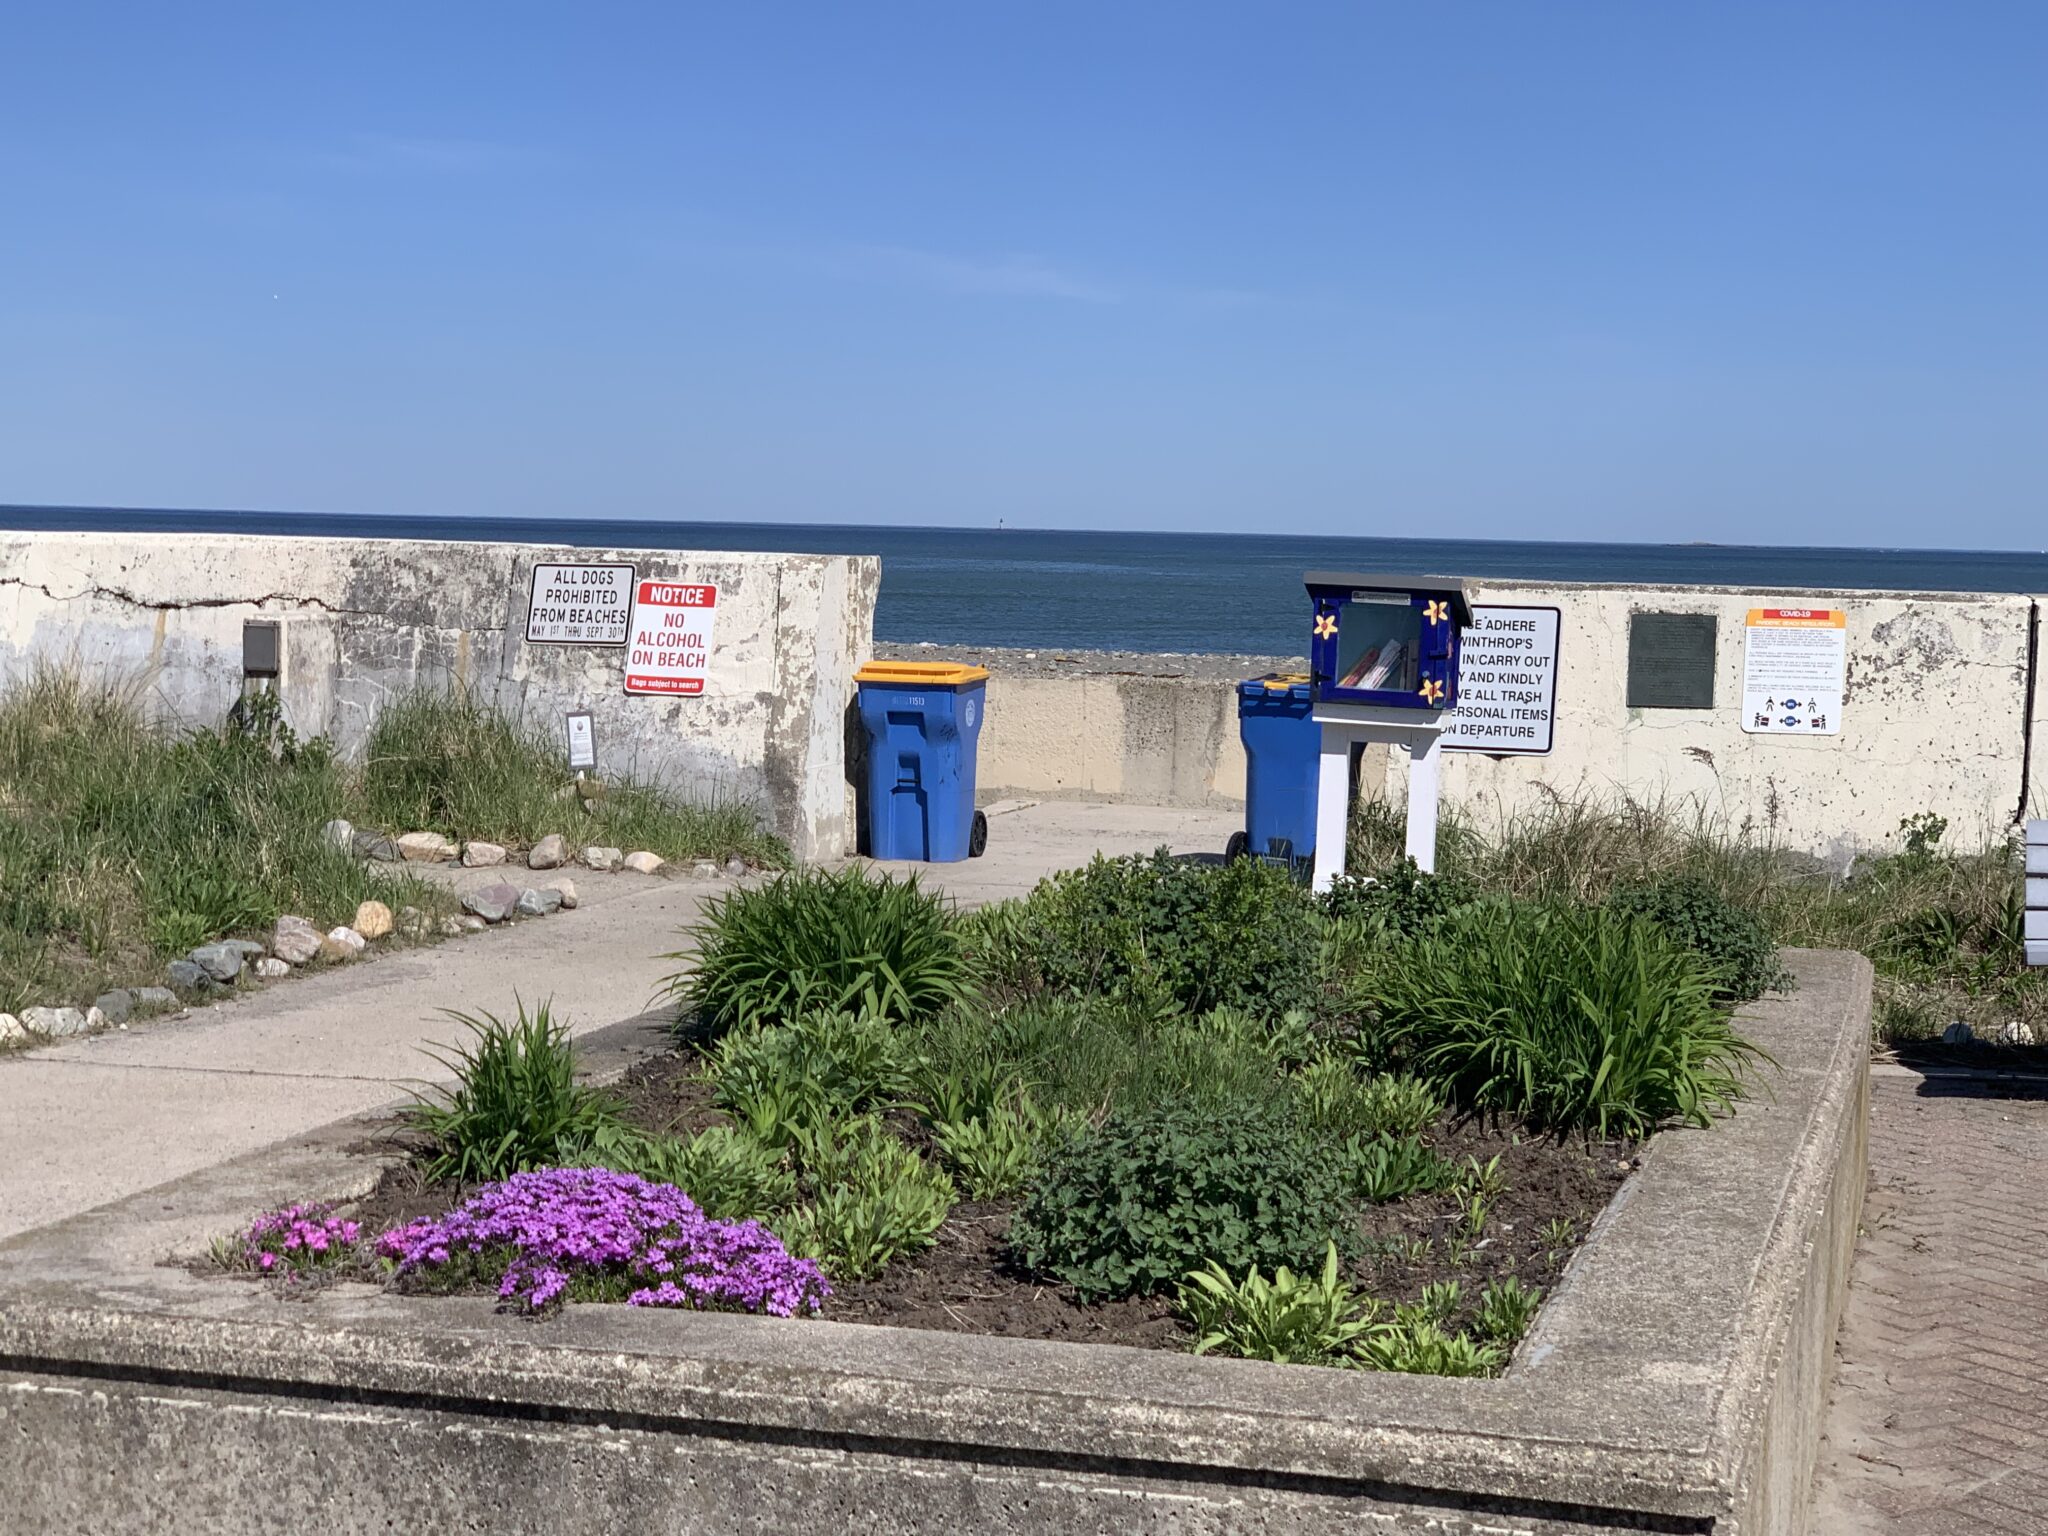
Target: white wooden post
{"type": "Point", "coordinates": [1425, 759]}
{"type": "Point", "coordinates": [1333, 803]}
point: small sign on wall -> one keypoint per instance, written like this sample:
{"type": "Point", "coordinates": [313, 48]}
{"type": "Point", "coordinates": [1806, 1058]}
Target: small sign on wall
{"type": "Point", "coordinates": [669, 649]}
{"type": "Point", "coordinates": [1507, 683]}
{"type": "Point", "coordinates": [1793, 669]}
{"type": "Point", "coordinates": [582, 735]}
{"type": "Point", "coordinates": [579, 604]}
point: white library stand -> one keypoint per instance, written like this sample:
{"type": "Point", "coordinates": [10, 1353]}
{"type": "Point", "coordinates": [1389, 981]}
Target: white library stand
{"type": "Point", "coordinates": [1348, 725]}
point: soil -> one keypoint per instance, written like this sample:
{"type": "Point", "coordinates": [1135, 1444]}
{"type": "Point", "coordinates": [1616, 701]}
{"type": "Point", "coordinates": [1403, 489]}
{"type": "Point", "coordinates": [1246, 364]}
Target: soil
{"type": "Point", "coordinates": [965, 1283]}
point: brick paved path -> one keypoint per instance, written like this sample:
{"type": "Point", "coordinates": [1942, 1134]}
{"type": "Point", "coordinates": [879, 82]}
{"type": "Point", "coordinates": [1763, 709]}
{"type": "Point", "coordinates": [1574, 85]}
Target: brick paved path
{"type": "Point", "coordinates": [1939, 1417]}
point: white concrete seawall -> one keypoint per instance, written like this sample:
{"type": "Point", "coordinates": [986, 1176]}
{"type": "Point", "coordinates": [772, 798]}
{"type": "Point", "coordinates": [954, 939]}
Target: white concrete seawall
{"type": "Point", "coordinates": [363, 620]}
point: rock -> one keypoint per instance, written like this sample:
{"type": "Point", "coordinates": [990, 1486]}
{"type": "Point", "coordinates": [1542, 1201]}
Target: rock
{"type": "Point", "coordinates": [645, 863]}
{"type": "Point", "coordinates": [53, 1023]}
{"type": "Point", "coordinates": [602, 859]}
{"type": "Point", "coordinates": [94, 1019]}
{"type": "Point", "coordinates": [1958, 1033]}
{"type": "Point", "coordinates": [374, 845]}
{"type": "Point", "coordinates": [539, 903]}
{"type": "Point", "coordinates": [704, 869]}
{"type": "Point", "coordinates": [155, 997]}
{"type": "Point", "coordinates": [294, 940]}
{"type": "Point", "coordinates": [493, 903]}
{"type": "Point", "coordinates": [2018, 1032]}
{"type": "Point", "coordinates": [116, 1005]}
{"type": "Point", "coordinates": [735, 867]}
{"type": "Point", "coordinates": [566, 889]}
{"type": "Point", "coordinates": [221, 962]}
{"type": "Point", "coordinates": [412, 922]}
{"type": "Point", "coordinates": [342, 944]}
{"type": "Point", "coordinates": [425, 848]}
{"type": "Point", "coordinates": [248, 949]}
{"type": "Point", "coordinates": [270, 968]}
{"type": "Point", "coordinates": [187, 977]}
{"type": "Point", "coordinates": [11, 1030]}
{"type": "Point", "coordinates": [551, 852]}
{"type": "Point", "coordinates": [453, 927]}
{"type": "Point", "coordinates": [373, 920]}
{"type": "Point", "coordinates": [340, 833]}
{"type": "Point", "coordinates": [472, 924]}
{"type": "Point", "coordinates": [482, 855]}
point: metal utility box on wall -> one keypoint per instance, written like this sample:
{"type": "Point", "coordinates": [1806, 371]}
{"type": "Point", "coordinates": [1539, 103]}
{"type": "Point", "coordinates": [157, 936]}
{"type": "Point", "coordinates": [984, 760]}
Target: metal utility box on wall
{"type": "Point", "coordinates": [1384, 655]}
{"type": "Point", "coordinates": [262, 648]}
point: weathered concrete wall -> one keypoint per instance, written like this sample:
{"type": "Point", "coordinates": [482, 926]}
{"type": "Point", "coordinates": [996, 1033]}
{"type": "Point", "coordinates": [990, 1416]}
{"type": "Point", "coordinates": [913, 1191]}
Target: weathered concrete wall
{"type": "Point", "coordinates": [1673, 1383]}
{"type": "Point", "coordinates": [1939, 690]}
{"type": "Point", "coordinates": [363, 621]}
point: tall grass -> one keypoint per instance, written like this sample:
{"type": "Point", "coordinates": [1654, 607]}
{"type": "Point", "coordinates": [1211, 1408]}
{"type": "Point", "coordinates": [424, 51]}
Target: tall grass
{"type": "Point", "coordinates": [449, 762]}
{"type": "Point", "coordinates": [122, 843]}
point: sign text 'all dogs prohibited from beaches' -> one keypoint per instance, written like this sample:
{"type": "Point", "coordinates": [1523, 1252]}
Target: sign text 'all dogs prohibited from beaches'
{"type": "Point", "coordinates": [1792, 671]}
{"type": "Point", "coordinates": [669, 647]}
{"type": "Point", "coordinates": [1507, 683]}
{"type": "Point", "coordinates": [579, 604]}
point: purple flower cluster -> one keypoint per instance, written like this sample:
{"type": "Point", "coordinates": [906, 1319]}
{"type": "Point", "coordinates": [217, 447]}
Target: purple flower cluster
{"type": "Point", "coordinates": [561, 1223]}
{"type": "Point", "coordinates": [298, 1238]}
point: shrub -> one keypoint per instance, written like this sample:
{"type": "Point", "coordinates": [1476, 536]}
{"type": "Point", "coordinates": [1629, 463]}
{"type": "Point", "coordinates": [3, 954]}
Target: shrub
{"type": "Point", "coordinates": [730, 1174]}
{"type": "Point", "coordinates": [1149, 1196]}
{"type": "Point", "coordinates": [1379, 1169]}
{"type": "Point", "coordinates": [995, 1153]}
{"type": "Point", "coordinates": [1298, 1319]}
{"type": "Point", "coordinates": [779, 1078]}
{"type": "Point", "coordinates": [1400, 902]}
{"type": "Point", "coordinates": [592, 1233]}
{"type": "Point", "coordinates": [872, 1199]}
{"type": "Point", "coordinates": [1734, 942]}
{"type": "Point", "coordinates": [1170, 933]}
{"type": "Point", "coordinates": [515, 1104]}
{"type": "Point", "coordinates": [810, 940]}
{"type": "Point", "coordinates": [1332, 1097]}
{"type": "Point", "coordinates": [1571, 1017]}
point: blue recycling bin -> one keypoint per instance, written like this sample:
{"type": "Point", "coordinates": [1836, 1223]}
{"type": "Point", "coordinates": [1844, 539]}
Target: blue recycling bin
{"type": "Point", "coordinates": [1282, 751]}
{"type": "Point", "coordinates": [923, 723]}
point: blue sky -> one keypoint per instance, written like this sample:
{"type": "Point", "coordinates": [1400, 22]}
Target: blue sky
{"type": "Point", "coordinates": [1524, 270]}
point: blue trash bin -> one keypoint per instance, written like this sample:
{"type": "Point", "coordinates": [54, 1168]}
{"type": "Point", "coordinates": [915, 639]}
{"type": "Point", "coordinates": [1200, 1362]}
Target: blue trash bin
{"type": "Point", "coordinates": [1282, 756]}
{"type": "Point", "coordinates": [923, 723]}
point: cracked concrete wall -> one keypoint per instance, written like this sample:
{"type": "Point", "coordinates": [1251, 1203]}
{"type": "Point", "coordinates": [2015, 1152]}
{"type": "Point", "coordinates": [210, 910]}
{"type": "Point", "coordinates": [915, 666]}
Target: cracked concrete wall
{"type": "Point", "coordinates": [364, 620]}
{"type": "Point", "coordinates": [1934, 718]}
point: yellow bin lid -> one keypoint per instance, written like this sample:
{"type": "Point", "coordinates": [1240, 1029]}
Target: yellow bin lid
{"type": "Point", "coordinates": [1281, 682]}
{"type": "Point", "coordinates": [933, 674]}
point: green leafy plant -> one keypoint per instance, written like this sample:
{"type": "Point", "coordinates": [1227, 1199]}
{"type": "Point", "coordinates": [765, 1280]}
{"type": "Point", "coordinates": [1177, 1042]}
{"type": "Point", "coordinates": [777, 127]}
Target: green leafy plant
{"type": "Point", "coordinates": [1378, 1169]}
{"type": "Point", "coordinates": [1488, 1180]}
{"type": "Point", "coordinates": [1300, 1319]}
{"type": "Point", "coordinates": [1734, 942]}
{"type": "Point", "coordinates": [1574, 1018]}
{"type": "Point", "coordinates": [812, 940]}
{"type": "Point", "coordinates": [1172, 933]}
{"type": "Point", "coordinates": [1506, 1308]}
{"type": "Point", "coordinates": [872, 1199]}
{"type": "Point", "coordinates": [996, 1153]}
{"type": "Point", "coordinates": [515, 1103]}
{"type": "Point", "coordinates": [782, 1076]}
{"type": "Point", "coordinates": [1134, 1205]}
{"type": "Point", "coordinates": [1400, 901]}
{"type": "Point", "coordinates": [1419, 1347]}
{"type": "Point", "coordinates": [724, 1169]}
{"type": "Point", "coordinates": [1333, 1097]}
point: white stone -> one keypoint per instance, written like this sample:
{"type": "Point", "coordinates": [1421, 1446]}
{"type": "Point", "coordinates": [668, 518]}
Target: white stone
{"type": "Point", "coordinates": [342, 944]}
{"type": "Point", "coordinates": [2017, 1032]}
{"type": "Point", "coordinates": [1958, 1033]}
{"type": "Point", "coordinates": [95, 1019]}
{"type": "Point", "coordinates": [294, 940]}
{"type": "Point", "coordinates": [10, 1029]}
{"type": "Point", "coordinates": [339, 833]}
{"type": "Point", "coordinates": [53, 1023]}
{"type": "Point", "coordinates": [482, 855]}
{"type": "Point", "coordinates": [453, 927]}
{"type": "Point", "coordinates": [425, 848]}
{"type": "Point", "coordinates": [270, 968]}
{"type": "Point", "coordinates": [602, 859]}
{"type": "Point", "coordinates": [373, 920]}
{"type": "Point", "coordinates": [567, 890]}
{"type": "Point", "coordinates": [704, 869]}
{"type": "Point", "coordinates": [551, 852]}
{"type": "Point", "coordinates": [644, 863]}
{"type": "Point", "coordinates": [471, 923]}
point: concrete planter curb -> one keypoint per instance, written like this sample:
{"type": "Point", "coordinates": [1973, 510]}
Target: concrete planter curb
{"type": "Point", "coordinates": [1673, 1383]}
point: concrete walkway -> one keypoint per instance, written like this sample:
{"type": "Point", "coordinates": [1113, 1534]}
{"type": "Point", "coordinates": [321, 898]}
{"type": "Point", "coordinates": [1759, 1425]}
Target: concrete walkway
{"type": "Point", "coordinates": [1939, 1420]}
{"type": "Point", "coordinates": [96, 1119]}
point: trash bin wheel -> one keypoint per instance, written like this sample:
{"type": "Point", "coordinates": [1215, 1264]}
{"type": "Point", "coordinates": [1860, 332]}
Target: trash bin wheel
{"type": "Point", "coordinates": [977, 836]}
{"type": "Point", "coordinates": [1238, 846]}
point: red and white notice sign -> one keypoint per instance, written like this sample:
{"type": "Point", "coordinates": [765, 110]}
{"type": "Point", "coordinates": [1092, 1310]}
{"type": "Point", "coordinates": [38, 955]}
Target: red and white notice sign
{"type": "Point", "coordinates": [668, 641]}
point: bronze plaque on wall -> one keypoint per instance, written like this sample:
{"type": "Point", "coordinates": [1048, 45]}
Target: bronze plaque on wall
{"type": "Point", "coordinates": [1671, 660]}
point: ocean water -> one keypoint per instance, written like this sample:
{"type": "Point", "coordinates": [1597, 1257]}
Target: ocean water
{"type": "Point", "coordinates": [1129, 591]}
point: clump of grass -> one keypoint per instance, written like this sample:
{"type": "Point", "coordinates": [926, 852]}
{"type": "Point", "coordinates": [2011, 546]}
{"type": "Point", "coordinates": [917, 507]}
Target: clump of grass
{"type": "Point", "coordinates": [123, 843]}
{"type": "Point", "coordinates": [446, 761]}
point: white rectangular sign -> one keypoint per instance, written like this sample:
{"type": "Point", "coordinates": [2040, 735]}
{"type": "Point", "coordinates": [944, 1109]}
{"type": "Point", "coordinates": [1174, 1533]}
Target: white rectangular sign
{"type": "Point", "coordinates": [1793, 667]}
{"type": "Point", "coordinates": [1507, 683]}
{"type": "Point", "coordinates": [582, 738]}
{"type": "Point", "coordinates": [579, 604]}
{"type": "Point", "coordinates": [669, 646]}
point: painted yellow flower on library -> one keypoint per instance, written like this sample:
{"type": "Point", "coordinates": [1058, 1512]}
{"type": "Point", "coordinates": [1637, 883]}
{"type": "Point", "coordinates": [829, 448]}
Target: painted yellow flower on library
{"type": "Point", "coordinates": [1326, 625]}
{"type": "Point", "coordinates": [1435, 610]}
{"type": "Point", "coordinates": [1432, 691]}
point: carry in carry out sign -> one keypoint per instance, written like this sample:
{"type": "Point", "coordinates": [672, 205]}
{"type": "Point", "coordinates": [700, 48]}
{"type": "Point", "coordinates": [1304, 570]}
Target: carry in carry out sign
{"type": "Point", "coordinates": [1507, 683]}
{"type": "Point", "coordinates": [668, 648]}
